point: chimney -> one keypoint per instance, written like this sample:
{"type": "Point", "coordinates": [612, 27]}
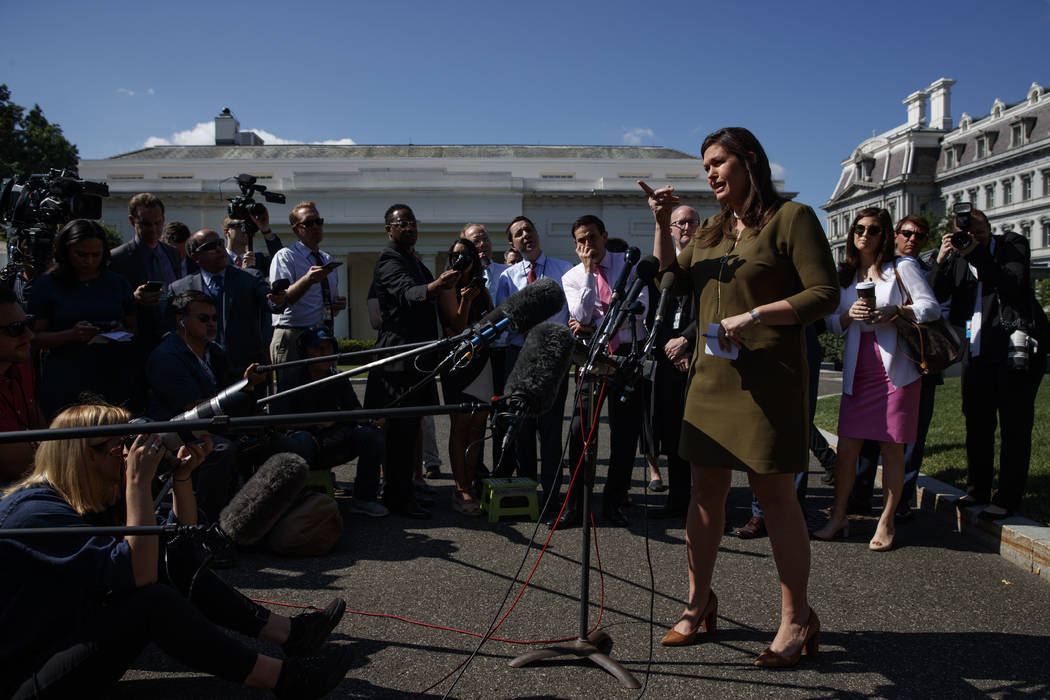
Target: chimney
{"type": "Point", "coordinates": [916, 108]}
{"type": "Point", "coordinates": [226, 128]}
{"type": "Point", "coordinates": [940, 92]}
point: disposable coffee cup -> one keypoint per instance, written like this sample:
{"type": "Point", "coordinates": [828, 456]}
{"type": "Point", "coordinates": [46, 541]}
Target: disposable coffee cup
{"type": "Point", "coordinates": [866, 291]}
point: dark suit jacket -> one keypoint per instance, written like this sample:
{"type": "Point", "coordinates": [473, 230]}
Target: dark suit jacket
{"type": "Point", "coordinates": [127, 260]}
{"type": "Point", "coordinates": [245, 313]}
{"type": "Point", "coordinates": [668, 396]}
{"type": "Point", "coordinates": [1006, 295]}
{"type": "Point", "coordinates": [409, 316]}
{"type": "Point", "coordinates": [177, 380]}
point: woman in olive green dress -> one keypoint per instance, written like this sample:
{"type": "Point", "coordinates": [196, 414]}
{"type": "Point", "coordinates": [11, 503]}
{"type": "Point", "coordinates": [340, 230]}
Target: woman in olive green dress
{"type": "Point", "coordinates": [761, 269]}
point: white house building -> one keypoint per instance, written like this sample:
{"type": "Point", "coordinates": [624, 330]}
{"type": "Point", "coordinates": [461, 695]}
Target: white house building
{"type": "Point", "coordinates": [999, 162]}
{"type": "Point", "coordinates": [447, 186]}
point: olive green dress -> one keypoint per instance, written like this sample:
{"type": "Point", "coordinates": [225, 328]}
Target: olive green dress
{"type": "Point", "coordinates": [752, 413]}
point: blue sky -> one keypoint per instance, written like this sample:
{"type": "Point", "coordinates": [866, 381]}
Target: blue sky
{"type": "Point", "coordinates": [811, 80]}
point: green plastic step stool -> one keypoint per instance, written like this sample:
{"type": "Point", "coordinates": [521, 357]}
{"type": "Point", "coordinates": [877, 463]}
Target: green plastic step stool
{"type": "Point", "coordinates": [495, 490]}
{"type": "Point", "coordinates": [322, 481]}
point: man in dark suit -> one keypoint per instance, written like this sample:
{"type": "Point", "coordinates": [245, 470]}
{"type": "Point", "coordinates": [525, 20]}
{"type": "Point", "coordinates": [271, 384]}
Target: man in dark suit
{"type": "Point", "coordinates": [242, 299]}
{"type": "Point", "coordinates": [406, 291]}
{"type": "Point", "coordinates": [176, 234]}
{"type": "Point", "coordinates": [988, 282]}
{"type": "Point", "coordinates": [150, 266]}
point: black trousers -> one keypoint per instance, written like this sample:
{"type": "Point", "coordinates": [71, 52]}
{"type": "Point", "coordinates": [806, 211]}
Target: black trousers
{"type": "Point", "coordinates": [625, 425]}
{"type": "Point", "coordinates": [106, 642]}
{"type": "Point", "coordinates": [993, 393]}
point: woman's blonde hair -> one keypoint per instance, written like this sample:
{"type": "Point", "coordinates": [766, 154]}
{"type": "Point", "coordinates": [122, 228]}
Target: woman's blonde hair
{"type": "Point", "coordinates": [63, 463]}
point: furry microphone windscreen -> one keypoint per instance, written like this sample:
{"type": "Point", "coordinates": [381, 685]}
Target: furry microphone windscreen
{"type": "Point", "coordinates": [535, 303]}
{"type": "Point", "coordinates": [647, 268]}
{"type": "Point", "coordinates": [264, 498]}
{"type": "Point", "coordinates": [542, 365]}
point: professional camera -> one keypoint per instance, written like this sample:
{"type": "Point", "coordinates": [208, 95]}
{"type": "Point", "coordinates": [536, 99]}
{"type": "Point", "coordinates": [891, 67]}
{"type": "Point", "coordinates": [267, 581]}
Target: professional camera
{"type": "Point", "coordinates": [244, 206]}
{"type": "Point", "coordinates": [962, 238]}
{"type": "Point", "coordinates": [1019, 350]}
{"type": "Point", "coordinates": [33, 207]}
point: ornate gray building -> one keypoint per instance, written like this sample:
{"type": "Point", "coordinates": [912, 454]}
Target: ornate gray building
{"type": "Point", "coordinates": [999, 162]}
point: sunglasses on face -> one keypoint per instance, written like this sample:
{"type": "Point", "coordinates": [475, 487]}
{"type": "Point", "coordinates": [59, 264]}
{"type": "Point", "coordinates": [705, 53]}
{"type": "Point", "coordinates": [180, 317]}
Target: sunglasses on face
{"type": "Point", "coordinates": [873, 230]}
{"type": "Point", "coordinates": [210, 245]}
{"type": "Point", "coordinates": [16, 329]}
{"type": "Point", "coordinates": [907, 233]}
{"type": "Point", "coordinates": [308, 223]}
{"type": "Point", "coordinates": [404, 223]}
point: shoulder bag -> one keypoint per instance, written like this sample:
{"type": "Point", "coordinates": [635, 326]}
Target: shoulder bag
{"type": "Point", "coordinates": [933, 345]}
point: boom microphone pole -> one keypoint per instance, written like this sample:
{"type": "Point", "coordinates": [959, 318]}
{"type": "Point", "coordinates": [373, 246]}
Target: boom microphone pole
{"type": "Point", "coordinates": [278, 366]}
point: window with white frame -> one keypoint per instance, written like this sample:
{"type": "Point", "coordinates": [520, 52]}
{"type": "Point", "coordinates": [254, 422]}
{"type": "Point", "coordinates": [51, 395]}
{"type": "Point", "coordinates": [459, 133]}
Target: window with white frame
{"type": "Point", "coordinates": [1026, 187]}
{"type": "Point", "coordinates": [949, 157]}
{"type": "Point", "coordinates": [989, 196]}
{"type": "Point", "coordinates": [1046, 233]}
{"type": "Point", "coordinates": [1046, 183]}
{"type": "Point", "coordinates": [1008, 191]}
{"type": "Point", "coordinates": [1026, 229]}
{"type": "Point", "coordinates": [1016, 135]}
{"type": "Point", "coordinates": [980, 148]}
{"type": "Point", "coordinates": [971, 195]}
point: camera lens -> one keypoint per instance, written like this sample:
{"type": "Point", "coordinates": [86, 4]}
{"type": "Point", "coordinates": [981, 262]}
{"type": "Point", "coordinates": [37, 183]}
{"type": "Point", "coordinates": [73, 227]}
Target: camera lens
{"type": "Point", "coordinates": [961, 239]}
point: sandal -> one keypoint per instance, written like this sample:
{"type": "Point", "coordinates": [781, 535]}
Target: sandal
{"type": "Point", "coordinates": [463, 503]}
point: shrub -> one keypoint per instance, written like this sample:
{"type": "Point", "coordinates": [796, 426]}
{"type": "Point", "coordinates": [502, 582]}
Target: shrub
{"type": "Point", "coordinates": [832, 345]}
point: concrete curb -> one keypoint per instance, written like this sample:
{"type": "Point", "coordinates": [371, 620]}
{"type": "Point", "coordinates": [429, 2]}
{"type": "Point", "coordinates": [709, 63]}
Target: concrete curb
{"type": "Point", "coordinates": [1019, 540]}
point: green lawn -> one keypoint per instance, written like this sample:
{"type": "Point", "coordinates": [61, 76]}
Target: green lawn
{"type": "Point", "coordinates": [945, 457]}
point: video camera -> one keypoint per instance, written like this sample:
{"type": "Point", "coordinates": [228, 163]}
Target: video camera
{"type": "Point", "coordinates": [244, 206]}
{"type": "Point", "coordinates": [33, 207]}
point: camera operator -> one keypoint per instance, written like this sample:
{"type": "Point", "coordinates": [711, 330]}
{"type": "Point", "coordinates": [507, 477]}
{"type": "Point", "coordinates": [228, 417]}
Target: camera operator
{"type": "Point", "coordinates": [18, 406]}
{"type": "Point", "coordinates": [237, 241]}
{"type": "Point", "coordinates": [987, 279]}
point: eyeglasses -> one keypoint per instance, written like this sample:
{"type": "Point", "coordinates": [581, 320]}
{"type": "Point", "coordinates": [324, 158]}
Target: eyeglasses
{"type": "Point", "coordinates": [873, 230]}
{"type": "Point", "coordinates": [210, 245]}
{"type": "Point", "coordinates": [204, 318]}
{"type": "Point", "coordinates": [685, 223]}
{"type": "Point", "coordinates": [307, 223]}
{"type": "Point", "coordinates": [908, 233]}
{"type": "Point", "coordinates": [404, 223]}
{"type": "Point", "coordinates": [114, 446]}
{"type": "Point", "coordinates": [16, 329]}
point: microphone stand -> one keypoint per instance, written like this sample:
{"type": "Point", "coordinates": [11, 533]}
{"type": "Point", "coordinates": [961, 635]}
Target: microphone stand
{"type": "Point", "coordinates": [593, 646]}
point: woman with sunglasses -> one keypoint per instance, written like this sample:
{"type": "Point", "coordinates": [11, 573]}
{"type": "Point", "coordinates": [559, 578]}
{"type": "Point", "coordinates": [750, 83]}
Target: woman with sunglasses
{"type": "Point", "coordinates": [461, 306]}
{"type": "Point", "coordinates": [760, 270]}
{"type": "Point", "coordinates": [75, 301]}
{"type": "Point", "coordinates": [76, 610]}
{"type": "Point", "coordinates": [880, 394]}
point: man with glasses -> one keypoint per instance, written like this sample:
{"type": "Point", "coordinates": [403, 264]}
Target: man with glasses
{"type": "Point", "coordinates": [673, 350]}
{"type": "Point", "coordinates": [911, 236]}
{"type": "Point", "coordinates": [534, 265]}
{"type": "Point", "coordinates": [312, 298]}
{"type": "Point", "coordinates": [988, 280]}
{"type": "Point", "coordinates": [237, 241]}
{"type": "Point", "coordinates": [242, 299]}
{"type": "Point", "coordinates": [18, 406]}
{"type": "Point", "coordinates": [407, 294]}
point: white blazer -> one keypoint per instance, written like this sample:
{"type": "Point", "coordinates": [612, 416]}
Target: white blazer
{"type": "Point", "coordinates": [901, 370]}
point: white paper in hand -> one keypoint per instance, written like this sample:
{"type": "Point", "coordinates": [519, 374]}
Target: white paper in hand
{"type": "Point", "coordinates": [711, 347]}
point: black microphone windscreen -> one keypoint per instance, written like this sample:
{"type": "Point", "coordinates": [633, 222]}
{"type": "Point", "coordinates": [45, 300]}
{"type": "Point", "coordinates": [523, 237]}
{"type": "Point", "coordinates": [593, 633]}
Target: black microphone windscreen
{"type": "Point", "coordinates": [541, 367]}
{"type": "Point", "coordinates": [264, 498]}
{"type": "Point", "coordinates": [632, 255]}
{"type": "Point", "coordinates": [667, 281]}
{"type": "Point", "coordinates": [647, 268]}
{"type": "Point", "coordinates": [536, 302]}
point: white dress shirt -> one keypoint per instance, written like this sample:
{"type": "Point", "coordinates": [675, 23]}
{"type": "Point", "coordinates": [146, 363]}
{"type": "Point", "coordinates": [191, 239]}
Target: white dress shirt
{"type": "Point", "coordinates": [516, 278]}
{"type": "Point", "coordinates": [581, 294]}
{"type": "Point", "coordinates": [292, 263]}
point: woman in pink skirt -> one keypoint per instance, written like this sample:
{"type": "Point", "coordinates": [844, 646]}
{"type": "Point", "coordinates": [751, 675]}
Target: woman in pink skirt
{"type": "Point", "coordinates": [880, 394]}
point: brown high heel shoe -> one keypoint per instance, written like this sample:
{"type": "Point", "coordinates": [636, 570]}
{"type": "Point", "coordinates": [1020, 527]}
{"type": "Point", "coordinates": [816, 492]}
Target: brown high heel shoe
{"type": "Point", "coordinates": [810, 643]}
{"type": "Point", "coordinates": [708, 618]}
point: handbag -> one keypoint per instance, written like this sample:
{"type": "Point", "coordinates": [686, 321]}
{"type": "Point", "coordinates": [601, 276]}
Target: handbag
{"type": "Point", "coordinates": [932, 345]}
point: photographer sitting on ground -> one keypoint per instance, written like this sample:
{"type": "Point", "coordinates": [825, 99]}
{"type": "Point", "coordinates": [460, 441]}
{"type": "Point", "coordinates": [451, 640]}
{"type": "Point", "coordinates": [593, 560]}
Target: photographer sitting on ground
{"type": "Point", "coordinates": [339, 442]}
{"type": "Point", "coordinates": [83, 607]}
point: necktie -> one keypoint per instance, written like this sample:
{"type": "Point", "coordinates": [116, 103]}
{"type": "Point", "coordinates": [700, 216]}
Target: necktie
{"type": "Point", "coordinates": [604, 297]}
{"type": "Point", "coordinates": [532, 273]}
{"type": "Point", "coordinates": [326, 292]}
{"type": "Point", "coordinates": [220, 307]}
{"type": "Point", "coordinates": [159, 271]}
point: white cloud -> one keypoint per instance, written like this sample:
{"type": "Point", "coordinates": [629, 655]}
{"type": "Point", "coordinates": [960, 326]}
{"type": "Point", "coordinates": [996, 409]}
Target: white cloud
{"type": "Point", "coordinates": [779, 171]}
{"type": "Point", "coordinates": [635, 136]}
{"type": "Point", "coordinates": [204, 135]}
{"type": "Point", "coordinates": [150, 91]}
{"type": "Point", "coordinates": [125, 91]}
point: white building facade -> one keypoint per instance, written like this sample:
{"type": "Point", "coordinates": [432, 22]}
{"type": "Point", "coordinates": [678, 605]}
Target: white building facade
{"type": "Point", "coordinates": [446, 186]}
{"type": "Point", "coordinates": [1000, 163]}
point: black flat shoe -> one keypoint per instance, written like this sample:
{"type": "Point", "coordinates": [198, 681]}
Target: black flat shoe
{"type": "Point", "coordinates": [993, 513]}
{"type": "Point", "coordinates": [570, 518]}
{"type": "Point", "coordinates": [968, 500]}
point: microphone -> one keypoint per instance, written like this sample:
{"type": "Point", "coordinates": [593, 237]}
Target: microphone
{"type": "Point", "coordinates": [532, 385]}
{"type": "Point", "coordinates": [264, 498]}
{"type": "Point", "coordinates": [666, 282]}
{"type": "Point", "coordinates": [629, 259]}
{"type": "Point", "coordinates": [647, 269]}
{"type": "Point", "coordinates": [519, 312]}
